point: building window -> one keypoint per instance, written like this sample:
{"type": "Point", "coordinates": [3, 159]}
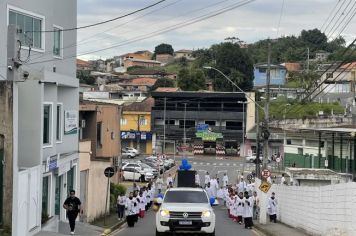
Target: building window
{"type": "Point", "coordinates": [170, 122]}
{"type": "Point", "coordinates": [123, 121]}
{"type": "Point", "coordinates": [57, 42]}
{"type": "Point", "coordinates": [59, 122]}
{"type": "Point", "coordinates": [289, 141]}
{"type": "Point", "coordinates": [262, 70]}
{"type": "Point", "coordinates": [233, 125]}
{"type": "Point", "coordinates": [210, 122]}
{"type": "Point", "coordinates": [47, 123]}
{"type": "Point", "coordinates": [45, 195]}
{"type": "Point", "coordinates": [30, 26]}
{"type": "Point", "coordinates": [99, 135]}
{"type": "Point", "coordinates": [142, 121]}
{"type": "Point", "coordinates": [188, 124]}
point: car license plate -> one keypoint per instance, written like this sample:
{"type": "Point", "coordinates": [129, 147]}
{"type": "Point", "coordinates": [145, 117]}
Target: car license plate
{"type": "Point", "coordinates": [186, 222]}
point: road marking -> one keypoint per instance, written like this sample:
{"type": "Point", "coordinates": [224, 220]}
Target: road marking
{"type": "Point", "coordinates": [234, 164]}
{"type": "Point", "coordinates": [194, 163]}
{"type": "Point", "coordinates": [221, 164]}
{"type": "Point", "coordinates": [214, 164]}
{"type": "Point", "coordinates": [201, 163]}
{"type": "Point", "coordinates": [228, 164]}
{"type": "Point", "coordinates": [208, 163]}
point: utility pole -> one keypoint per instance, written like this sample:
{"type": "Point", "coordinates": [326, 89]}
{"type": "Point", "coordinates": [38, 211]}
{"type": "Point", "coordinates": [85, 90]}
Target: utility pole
{"type": "Point", "coordinates": [164, 126]}
{"type": "Point", "coordinates": [185, 134]}
{"type": "Point", "coordinates": [308, 60]}
{"type": "Point", "coordinates": [265, 128]}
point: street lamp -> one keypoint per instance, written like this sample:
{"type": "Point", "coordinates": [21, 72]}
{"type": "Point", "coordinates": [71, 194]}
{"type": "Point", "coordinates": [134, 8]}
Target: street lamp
{"type": "Point", "coordinates": [243, 126]}
{"type": "Point", "coordinates": [233, 83]}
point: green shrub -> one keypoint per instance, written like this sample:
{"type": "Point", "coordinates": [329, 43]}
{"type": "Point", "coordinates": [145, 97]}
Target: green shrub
{"type": "Point", "coordinates": [115, 191]}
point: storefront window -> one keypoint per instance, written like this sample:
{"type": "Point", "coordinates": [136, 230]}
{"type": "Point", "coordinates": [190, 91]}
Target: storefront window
{"type": "Point", "coordinates": [45, 195]}
{"type": "Point", "coordinates": [70, 180]}
{"type": "Point", "coordinates": [57, 207]}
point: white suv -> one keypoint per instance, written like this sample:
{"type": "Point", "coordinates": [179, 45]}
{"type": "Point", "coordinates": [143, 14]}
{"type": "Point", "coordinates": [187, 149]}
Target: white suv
{"type": "Point", "coordinates": [185, 210]}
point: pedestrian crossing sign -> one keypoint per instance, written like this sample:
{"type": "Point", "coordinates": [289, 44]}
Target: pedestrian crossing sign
{"type": "Point", "coordinates": [265, 186]}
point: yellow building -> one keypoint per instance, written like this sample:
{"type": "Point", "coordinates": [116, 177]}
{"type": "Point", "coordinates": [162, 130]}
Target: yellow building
{"type": "Point", "coordinates": [135, 126]}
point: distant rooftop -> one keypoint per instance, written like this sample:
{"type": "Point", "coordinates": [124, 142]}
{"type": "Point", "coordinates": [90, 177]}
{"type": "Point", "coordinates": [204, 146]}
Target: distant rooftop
{"type": "Point", "coordinates": [145, 61]}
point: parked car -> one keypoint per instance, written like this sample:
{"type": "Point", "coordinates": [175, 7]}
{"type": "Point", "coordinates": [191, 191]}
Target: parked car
{"type": "Point", "coordinates": [142, 166]}
{"type": "Point", "coordinates": [126, 154]}
{"type": "Point", "coordinates": [131, 149]}
{"type": "Point", "coordinates": [153, 165]}
{"type": "Point", "coordinates": [131, 173]}
{"type": "Point", "coordinates": [252, 158]}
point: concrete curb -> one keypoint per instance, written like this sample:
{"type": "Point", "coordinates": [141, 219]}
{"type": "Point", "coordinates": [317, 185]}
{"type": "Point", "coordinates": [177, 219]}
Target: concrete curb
{"type": "Point", "coordinates": [111, 229]}
{"type": "Point", "coordinates": [262, 230]}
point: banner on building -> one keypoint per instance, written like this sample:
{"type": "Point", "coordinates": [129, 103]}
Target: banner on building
{"type": "Point", "coordinates": [209, 136]}
{"type": "Point", "coordinates": [52, 163]}
{"type": "Point", "coordinates": [136, 135]}
{"type": "Point", "coordinates": [70, 122]}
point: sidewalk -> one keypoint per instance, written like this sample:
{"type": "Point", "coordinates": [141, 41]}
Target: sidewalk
{"type": "Point", "coordinates": [279, 229]}
{"type": "Point", "coordinates": [80, 229]}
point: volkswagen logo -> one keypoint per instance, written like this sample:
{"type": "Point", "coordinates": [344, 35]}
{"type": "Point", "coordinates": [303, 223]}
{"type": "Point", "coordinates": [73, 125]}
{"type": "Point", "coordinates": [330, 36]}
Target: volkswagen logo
{"type": "Point", "coordinates": [185, 215]}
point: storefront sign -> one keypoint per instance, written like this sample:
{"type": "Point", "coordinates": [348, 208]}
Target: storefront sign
{"type": "Point", "coordinates": [63, 168]}
{"type": "Point", "coordinates": [70, 122]}
{"type": "Point", "coordinates": [52, 162]}
{"type": "Point", "coordinates": [202, 127]}
{"type": "Point", "coordinates": [136, 135]}
{"type": "Point", "coordinates": [209, 136]}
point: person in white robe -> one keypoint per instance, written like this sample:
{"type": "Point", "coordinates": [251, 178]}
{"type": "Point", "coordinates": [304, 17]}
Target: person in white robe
{"type": "Point", "coordinates": [248, 210]}
{"type": "Point", "coordinates": [225, 180]}
{"type": "Point", "coordinates": [197, 179]}
{"type": "Point", "coordinates": [272, 208]}
{"type": "Point", "coordinates": [240, 207]}
{"type": "Point", "coordinates": [159, 183]}
{"type": "Point", "coordinates": [169, 181]}
{"type": "Point", "coordinates": [209, 190]}
{"type": "Point", "coordinates": [130, 210]}
{"type": "Point", "coordinates": [242, 185]}
{"type": "Point", "coordinates": [206, 178]}
{"type": "Point", "coordinates": [214, 185]}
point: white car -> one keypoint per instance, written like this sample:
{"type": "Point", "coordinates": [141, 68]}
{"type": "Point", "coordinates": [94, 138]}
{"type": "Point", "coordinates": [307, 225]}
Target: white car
{"type": "Point", "coordinates": [126, 154]}
{"type": "Point", "coordinates": [131, 173]}
{"type": "Point", "coordinates": [133, 150]}
{"type": "Point", "coordinates": [252, 158]}
{"type": "Point", "coordinates": [142, 167]}
{"type": "Point", "coordinates": [185, 210]}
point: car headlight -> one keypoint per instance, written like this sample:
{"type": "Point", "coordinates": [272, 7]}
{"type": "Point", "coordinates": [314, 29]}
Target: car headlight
{"type": "Point", "coordinates": [206, 214]}
{"type": "Point", "coordinates": [164, 213]}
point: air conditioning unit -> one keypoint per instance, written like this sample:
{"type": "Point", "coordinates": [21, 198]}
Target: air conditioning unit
{"type": "Point", "coordinates": [82, 124]}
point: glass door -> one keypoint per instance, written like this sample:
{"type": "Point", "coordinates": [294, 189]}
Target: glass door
{"type": "Point", "coordinates": [57, 197]}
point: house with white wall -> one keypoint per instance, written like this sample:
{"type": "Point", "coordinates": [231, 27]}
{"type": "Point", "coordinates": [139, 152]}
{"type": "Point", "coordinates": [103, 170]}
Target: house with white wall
{"type": "Point", "coordinates": [45, 107]}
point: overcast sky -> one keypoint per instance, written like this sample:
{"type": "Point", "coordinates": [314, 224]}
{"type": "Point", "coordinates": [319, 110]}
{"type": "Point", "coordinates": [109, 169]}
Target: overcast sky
{"type": "Point", "coordinates": [251, 22]}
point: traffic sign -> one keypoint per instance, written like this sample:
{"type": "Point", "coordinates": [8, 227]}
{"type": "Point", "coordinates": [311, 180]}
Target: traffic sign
{"type": "Point", "coordinates": [109, 172]}
{"type": "Point", "coordinates": [266, 173]}
{"type": "Point", "coordinates": [249, 177]}
{"type": "Point", "coordinates": [264, 187]}
{"type": "Point", "coordinates": [278, 159]}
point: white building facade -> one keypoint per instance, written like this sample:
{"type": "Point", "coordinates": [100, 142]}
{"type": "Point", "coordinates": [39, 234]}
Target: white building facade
{"type": "Point", "coordinates": [46, 108]}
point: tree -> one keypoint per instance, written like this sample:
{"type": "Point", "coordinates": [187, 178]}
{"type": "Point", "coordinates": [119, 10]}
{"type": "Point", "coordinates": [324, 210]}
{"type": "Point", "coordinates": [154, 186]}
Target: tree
{"type": "Point", "coordinates": [134, 68]}
{"type": "Point", "coordinates": [163, 48]}
{"type": "Point", "coordinates": [163, 82]}
{"type": "Point", "coordinates": [193, 80]}
{"type": "Point", "coordinates": [233, 62]}
{"type": "Point", "coordinates": [85, 78]}
{"type": "Point", "coordinates": [314, 39]}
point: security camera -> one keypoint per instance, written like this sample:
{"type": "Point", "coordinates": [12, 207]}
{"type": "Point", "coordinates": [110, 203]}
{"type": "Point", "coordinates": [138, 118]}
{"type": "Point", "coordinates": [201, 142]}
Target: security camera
{"type": "Point", "coordinates": [9, 68]}
{"type": "Point", "coordinates": [26, 74]}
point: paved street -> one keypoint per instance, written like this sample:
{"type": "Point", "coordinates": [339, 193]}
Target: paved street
{"type": "Point", "coordinates": [224, 226]}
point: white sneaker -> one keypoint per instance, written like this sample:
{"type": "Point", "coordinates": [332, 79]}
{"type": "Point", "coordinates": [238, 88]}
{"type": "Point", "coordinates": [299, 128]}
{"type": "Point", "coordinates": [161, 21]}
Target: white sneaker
{"type": "Point", "coordinates": [72, 233]}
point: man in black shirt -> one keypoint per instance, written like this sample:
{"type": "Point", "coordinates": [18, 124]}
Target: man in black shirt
{"type": "Point", "coordinates": [72, 205]}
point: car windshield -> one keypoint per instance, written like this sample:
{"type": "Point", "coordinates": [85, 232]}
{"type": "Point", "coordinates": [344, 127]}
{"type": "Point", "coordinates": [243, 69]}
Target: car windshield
{"type": "Point", "coordinates": [185, 197]}
{"type": "Point", "coordinates": [145, 165]}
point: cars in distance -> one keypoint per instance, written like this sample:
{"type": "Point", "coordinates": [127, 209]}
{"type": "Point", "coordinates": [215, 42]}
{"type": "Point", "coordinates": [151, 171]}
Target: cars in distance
{"type": "Point", "coordinates": [131, 149]}
{"type": "Point", "coordinates": [127, 154]}
{"type": "Point", "coordinates": [132, 173]}
{"type": "Point", "coordinates": [252, 158]}
{"type": "Point", "coordinates": [185, 210]}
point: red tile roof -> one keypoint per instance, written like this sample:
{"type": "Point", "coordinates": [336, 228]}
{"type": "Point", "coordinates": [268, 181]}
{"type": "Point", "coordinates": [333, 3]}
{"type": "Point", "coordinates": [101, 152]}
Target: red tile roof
{"type": "Point", "coordinates": [143, 81]}
{"type": "Point", "coordinates": [350, 65]}
{"type": "Point", "coordinates": [163, 89]}
{"type": "Point", "coordinates": [82, 62]}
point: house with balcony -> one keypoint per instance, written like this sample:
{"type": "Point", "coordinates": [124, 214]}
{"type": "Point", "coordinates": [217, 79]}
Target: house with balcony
{"type": "Point", "coordinates": [45, 112]}
{"type": "Point", "coordinates": [201, 122]}
{"type": "Point", "coordinates": [278, 75]}
{"type": "Point", "coordinates": [135, 126]}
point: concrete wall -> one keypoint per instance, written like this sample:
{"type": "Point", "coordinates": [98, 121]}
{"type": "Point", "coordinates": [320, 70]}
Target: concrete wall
{"type": "Point", "coordinates": [94, 207]}
{"type": "Point", "coordinates": [327, 210]}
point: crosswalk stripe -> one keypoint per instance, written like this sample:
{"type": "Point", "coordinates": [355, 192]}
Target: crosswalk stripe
{"type": "Point", "coordinates": [234, 164]}
{"type": "Point", "coordinates": [194, 163]}
{"type": "Point", "coordinates": [220, 164]}
{"type": "Point", "coordinates": [208, 163]}
{"type": "Point", "coordinates": [228, 164]}
{"type": "Point", "coordinates": [214, 164]}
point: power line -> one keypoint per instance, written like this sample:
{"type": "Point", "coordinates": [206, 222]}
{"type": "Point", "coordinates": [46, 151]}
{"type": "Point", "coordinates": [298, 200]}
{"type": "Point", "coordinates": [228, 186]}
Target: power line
{"type": "Point", "coordinates": [347, 23]}
{"type": "Point", "coordinates": [280, 17]}
{"type": "Point", "coordinates": [337, 12]}
{"type": "Point", "coordinates": [187, 13]}
{"type": "Point", "coordinates": [330, 14]}
{"type": "Point", "coordinates": [164, 30]}
{"type": "Point", "coordinates": [102, 22]}
{"type": "Point", "coordinates": [342, 17]}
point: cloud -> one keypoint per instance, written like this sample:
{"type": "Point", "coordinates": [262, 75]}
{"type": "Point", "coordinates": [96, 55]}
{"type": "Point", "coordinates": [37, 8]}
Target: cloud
{"type": "Point", "coordinates": [252, 22]}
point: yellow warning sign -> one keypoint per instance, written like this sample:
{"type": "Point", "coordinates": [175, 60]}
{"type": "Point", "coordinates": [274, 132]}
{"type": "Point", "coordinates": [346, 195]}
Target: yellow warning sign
{"type": "Point", "coordinates": [264, 187]}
